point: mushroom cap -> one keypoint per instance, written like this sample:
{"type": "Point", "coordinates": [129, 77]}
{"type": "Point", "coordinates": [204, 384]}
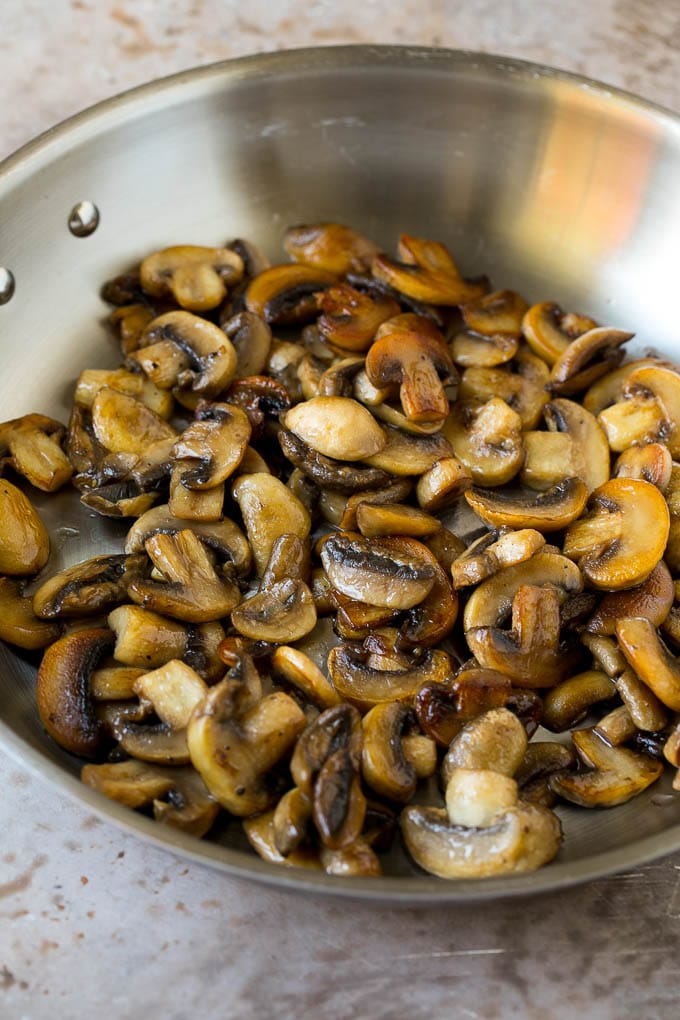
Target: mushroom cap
{"type": "Point", "coordinates": [336, 427]}
{"type": "Point", "coordinates": [546, 511]}
{"type": "Point", "coordinates": [24, 541]}
{"type": "Point", "coordinates": [395, 572]}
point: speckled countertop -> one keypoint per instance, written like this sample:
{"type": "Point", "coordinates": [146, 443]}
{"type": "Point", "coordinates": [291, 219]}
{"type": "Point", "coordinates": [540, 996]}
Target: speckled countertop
{"type": "Point", "coordinates": [92, 919]}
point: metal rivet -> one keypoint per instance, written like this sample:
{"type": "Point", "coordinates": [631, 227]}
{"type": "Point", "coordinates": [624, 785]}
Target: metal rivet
{"type": "Point", "coordinates": [7, 285]}
{"type": "Point", "coordinates": [83, 219]}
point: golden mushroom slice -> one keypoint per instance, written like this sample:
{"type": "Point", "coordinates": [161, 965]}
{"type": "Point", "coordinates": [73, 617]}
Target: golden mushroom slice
{"type": "Point", "coordinates": [486, 438]}
{"type": "Point", "coordinates": [615, 774]}
{"type": "Point", "coordinates": [622, 537]}
{"type": "Point", "coordinates": [592, 460]}
{"type": "Point", "coordinates": [251, 338]}
{"type": "Point", "coordinates": [88, 588]}
{"type": "Point", "coordinates": [330, 246]}
{"type": "Point", "coordinates": [495, 741]}
{"type": "Point", "coordinates": [546, 511]}
{"type": "Point", "coordinates": [260, 832]}
{"type": "Point", "coordinates": [24, 541]}
{"type": "Point", "coordinates": [336, 427]}
{"type": "Point", "coordinates": [384, 764]}
{"type": "Point", "coordinates": [664, 383]}
{"type": "Point", "coordinates": [350, 318]}
{"type": "Point", "coordinates": [610, 388]}
{"type": "Point", "coordinates": [269, 510]}
{"type": "Point", "coordinates": [652, 599]}
{"type": "Point", "coordinates": [211, 448]}
{"type": "Point", "coordinates": [295, 667]}
{"type": "Point", "coordinates": [587, 358]}
{"type": "Point", "coordinates": [123, 424]}
{"type": "Point", "coordinates": [223, 537]}
{"type": "Point", "coordinates": [655, 666]}
{"type": "Point", "coordinates": [364, 680]}
{"type": "Point", "coordinates": [494, 324]}
{"type": "Point", "coordinates": [18, 623]}
{"type": "Point", "coordinates": [637, 418]}
{"type": "Point", "coordinates": [571, 700]}
{"type": "Point", "coordinates": [549, 331]}
{"type": "Point", "coordinates": [492, 552]}
{"type": "Point", "coordinates": [134, 384]}
{"type": "Point", "coordinates": [195, 276]}
{"type": "Point", "coordinates": [286, 294]}
{"type": "Point", "coordinates": [426, 272]}
{"type": "Point", "coordinates": [404, 454]}
{"type": "Point", "coordinates": [234, 743]}
{"type": "Point", "coordinates": [32, 446]}
{"type": "Point", "coordinates": [650, 461]}
{"type": "Point", "coordinates": [443, 709]}
{"type": "Point", "coordinates": [376, 520]}
{"type": "Point", "coordinates": [439, 487]}
{"type": "Point", "coordinates": [644, 707]}
{"type": "Point", "coordinates": [283, 610]}
{"type": "Point", "coordinates": [418, 361]}
{"type": "Point", "coordinates": [523, 388]}
{"type": "Point", "coordinates": [186, 353]}
{"type": "Point", "coordinates": [395, 572]}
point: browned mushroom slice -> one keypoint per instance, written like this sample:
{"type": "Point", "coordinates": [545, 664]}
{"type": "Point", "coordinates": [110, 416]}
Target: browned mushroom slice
{"type": "Point", "coordinates": [469, 350]}
{"type": "Point", "coordinates": [651, 660]}
{"type": "Point", "coordinates": [123, 424]}
{"type": "Point", "coordinates": [251, 339]}
{"type": "Point", "coordinates": [664, 383]}
{"type": "Point", "coordinates": [492, 552]}
{"type": "Point", "coordinates": [223, 537]}
{"type": "Point", "coordinates": [565, 417]}
{"type": "Point", "coordinates": [185, 352]}
{"type": "Point", "coordinates": [365, 685]}
{"type": "Point", "coordinates": [134, 384]}
{"type": "Point", "coordinates": [541, 759]}
{"type": "Point", "coordinates": [420, 364]}
{"type": "Point", "coordinates": [621, 539]}
{"type": "Point", "coordinates": [32, 446]}
{"type": "Point", "coordinates": [521, 839]}
{"type": "Point", "coordinates": [615, 773]}
{"type": "Point", "coordinates": [338, 380]}
{"type": "Point", "coordinates": [384, 765]}
{"type": "Point", "coordinates": [212, 447]}
{"type": "Point", "coordinates": [644, 707]}
{"type": "Point", "coordinates": [496, 315]}
{"type": "Point", "coordinates": [292, 816]}
{"type": "Point", "coordinates": [88, 588]}
{"type": "Point", "coordinates": [652, 599]}
{"type": "Point", "coordinates": [548, 511]}
{"type": "Point", "coordinates": [531, 652]}
{"type": "Point", "coordinates": [616, 727]}
{"type": "Point", "coordinates": [393, 572]}
{"type": "Point", "coordinates": [637, 418]}
{"type": "Point", "coordinates": [24, 541]}
{"type": "Point", "coordinates": [269, 510]}
{"type": "Point", "coordinates": [434, 618]}
{"type": "Point", "coordinates": [570, 701]}
{"type": "Point", "coordinates": [443, 709]}
{"type": "Point", "coordinates": [261, 397]}
{"type": "Point", "coordinates": [394, 492]}
{"type": "Point", "coordinates": [330, 246]}
{"type": "Point", "coordinates": [144, 638]}
{"type": "Point", "coordinates": [523, 390]}
{"type": "Point", "coordinates": [610, 389]}
{"type": "Point", "coordinates": [296, 668]}
{"type": "Point", "coordinates": [588, 358]}
{"type": "Point", "coordinates": [196, 277]}
{"type": "Point", "coordinates": [286, 294]}
{"type": "Point", "coordinates": [549, 331]}
{"type": "Point", "coordinates": [494, 741]}
{"type": "Point", "coordinates": [358, 860]}
{"type": "Point", "coordinates": [18, 623]}
{"type": "Point", "coordinates": [377, 520]}
{"type": "Point", "coordinates": [650, 461]}
{"type": "Point", "coordinates": [487, 439]}
{"type": "Point", "coordinates": [283, 612]}
{"type": "Point", "coordinates": [349, 318]}
{"type": "Point", "coordinates": [234, 743]}
{"type": "Point", "coordinates": [439, 487]}
{"type": "Point", "coordinates": [328, 473]}
{"type": "Point", "coordinates": [337, 728]}
{"type": "Point", "coordinates": [425, 271]}
{"type": "Point", "coordinates": [336, 427]}
{"type": "Point", "coordinates": [405, 454]}
{"type": "Point", "coordinates": [130, 321]}
{"type": "Point", "coordinates": [261, 834]}
{"type": "Point", "coordinates": [64, 701]}
{"type": "Point", "coordinates": [173, 690]}
{"type": "Point", "coordinates": [191, 589]}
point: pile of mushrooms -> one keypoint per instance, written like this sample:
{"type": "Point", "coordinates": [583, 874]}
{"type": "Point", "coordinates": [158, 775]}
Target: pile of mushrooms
{"type": "Point", "coordinates": [385, 523]}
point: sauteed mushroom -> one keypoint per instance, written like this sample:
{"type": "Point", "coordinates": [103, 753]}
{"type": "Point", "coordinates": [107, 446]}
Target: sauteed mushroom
{"type": "Point", "coordinates": [32, 446]}
{"type": "Point", "coordinates": [195, 276]}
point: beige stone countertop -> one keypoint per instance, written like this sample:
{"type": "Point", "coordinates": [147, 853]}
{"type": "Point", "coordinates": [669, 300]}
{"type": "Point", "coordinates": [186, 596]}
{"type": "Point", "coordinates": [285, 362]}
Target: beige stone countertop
{"type": "Point", "coordinates": [93, 921]}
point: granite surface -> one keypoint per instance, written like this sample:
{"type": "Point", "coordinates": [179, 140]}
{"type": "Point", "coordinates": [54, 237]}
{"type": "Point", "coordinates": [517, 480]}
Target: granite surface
{"type": "Point", "coordinates": [92, 919]}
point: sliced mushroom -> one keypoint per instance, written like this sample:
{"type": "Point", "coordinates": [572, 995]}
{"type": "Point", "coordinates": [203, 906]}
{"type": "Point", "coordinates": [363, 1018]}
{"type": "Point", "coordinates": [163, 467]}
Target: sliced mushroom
{"type": "Point", "coordinates": [63, 690]}
{"type": "Point", "coordinates": [652, 599]}
{"type": "Point", "coordinates": [650, 461]}
{"type": "Point", "coordinates": [223, 537]}
{"type": "Point", "coordinates": [475, 797]}
{"type": "Point", "coordinates": [234, 743]}
{"type": "Point", "coordinates": [190, 588]}
{"type": "Point", "coordinates": [394, 492]}
{"type": "Point", "coordinates": [615, 774]}
{"type": "Point", "coordinates": [24, 541]}
{"type": "Point", "coordinates": [394, 572]}
{"type": "Point", "coordinates": [541, 759]}
{"type": "Point", "coordinates": [638, 418]}
{"type": "Point", "coordinates": [611, 387]}
{"type": "Point", "coordinates": [496, 315]}
{"type": "Point", "coordinates": [470, 350]}
{"type": "Point", "coordinates": [549, 331]}
{"type": "Point", "coordinates": [32, 446]}
{"type": "Point", "coordinates": [546, 512]}
{"type": "Point", "coordinates": [88, 588]}
{"type": "Point", "coordinates": [144, 638]}
{"type": "Point", "coordinates": [439, 487]}
{"type": "Point", "coordinates": [621, 539]}
{"type": "Point", "coordinates": [570, 701]}
{"type": "Point", "coordinates": [261, 834]}
{"type": "Point", "coordinates": [358, 860]}
{"type": "Point", "coordinates": [338, 380]}
{"type": "Point", "coordinates": [130, 321]}
{"type": "Point", "coordinates": [251, 338]}
{"type": "Point", "coordinates": [588, 358]}
{"type": "Point", "coordinates": [349, 318]}
{"type": "Point", "coordinates": [521, 839]}
{"type": "Point", "coordinates": [492, 552]}
{"type": "Point", "coordinates": [523, 389]}
{"type": "Point", "coordinates": [283, 610]}
{"type": "Point", "coordinates": [651, 660]}
{"type": "Point", "coordinates": [291, 819]}
{"type": "Point", "coordinates": [646, 711]}
{"type": "Point", "coordinates": [299, 670]}
{"type": "Point", "coordinates": [420, 364]}
{"type": "Point", "coordinates": [487, 439]}
{"type": "Point", "coordinates": [405, 454]}
{"type": "Point", "coordinates": [196, 277]}
{"type": "Point", "coordinates": [123, 424]}
{"type": "Point", "coordinates": [425, 271]}
{"type": "Point", "coordinates": [328, 473]}
{"type": "Point", "coordinates": [664, 383]}
{"type": "Point", "coordinates": [185, 352]}
{"type": "Point", "coordinates": [336, 427]}
{"type": "Point", "coordinates": [269, 510]}
{"type": "Point", "coordinates": [134, 384]}
{"type": "Point", "coordinates": [364, 684]}
{"type": "Point", "coordinates": [260, 397]}
{"type": "Point", "coordinates": [213, 446]}
{"type": "Point", "coordinates": [443, 709]}
{"type": "Point", "coordinates": [285, 294]}
{"type": "Point", "coordinates": [384, 765]}
{"type": "Point", "coordinates": [174, 690]}
{"type": "Point", "coordinates": [330, 246]}
{"type": "Point", "coordinates": [376, 520]}
{"type": "Point", "coordinates": [434, 618]}
{"type": "Point", "coordinates": [495, 741]}
{"type": "Point", "coordinates": [592, 462]}
{"type": "Point", "coordinates": [617, 727]}
{"type": "Point", "coordinates": [18, 623]}
{"type": "Point", "coordinates": [195, 505]}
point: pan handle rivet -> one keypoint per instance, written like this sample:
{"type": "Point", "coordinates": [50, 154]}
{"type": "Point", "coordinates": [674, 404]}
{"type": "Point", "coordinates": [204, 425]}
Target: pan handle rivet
{"type": "Point", "coordinates": [83, 219]}
{"type": "Point", "coordinates": [6, 285]}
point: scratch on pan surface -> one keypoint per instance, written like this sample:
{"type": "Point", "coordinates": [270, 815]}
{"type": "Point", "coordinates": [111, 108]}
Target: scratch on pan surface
{"type": "Point", "coordinates": [438, 954]}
